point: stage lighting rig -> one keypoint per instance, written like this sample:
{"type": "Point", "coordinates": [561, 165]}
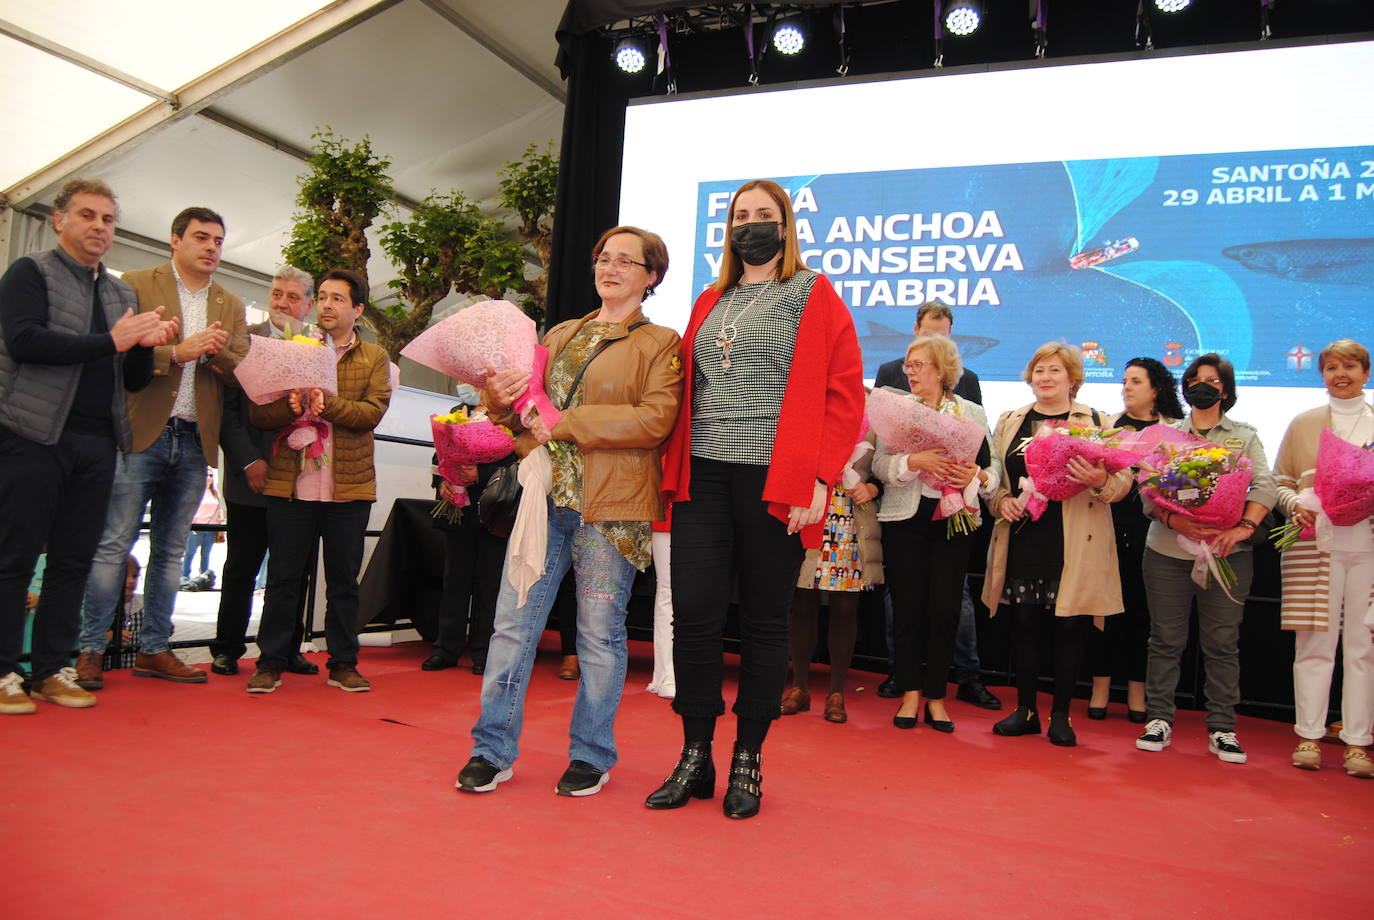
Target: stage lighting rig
{"type": "Point", "coordinates": [1172, 6]}
{"type": "Point", "coordinates": [962, 17]}
{"type": "Point", "coordinates": [629, 55]}
{"type": "Point", "coordinates": [789, 37]}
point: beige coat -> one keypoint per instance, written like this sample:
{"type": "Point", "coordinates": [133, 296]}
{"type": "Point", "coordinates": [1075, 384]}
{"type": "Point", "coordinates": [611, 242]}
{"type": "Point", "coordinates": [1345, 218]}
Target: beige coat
{"type": "Point", "coordinates": [151, 407]}
{"type": "Point", "coordinates": [1090, 583]}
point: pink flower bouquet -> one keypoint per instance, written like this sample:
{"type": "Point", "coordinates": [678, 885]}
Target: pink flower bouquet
{"type": "Point", "coordinates": [905, 425]}
{"type": "Point", "coordinates": [274, 367]}
{"type": "Point", "coordinates": [1345, 480]}
{"type": "Point", "coordinates": [463, 439]}
{"type": "Point", "coordinates": [1049, 452]}
{"type": "Point", "coordinates": [494, 333]}
{"type": "Point", "coordinates": [1205, 483]}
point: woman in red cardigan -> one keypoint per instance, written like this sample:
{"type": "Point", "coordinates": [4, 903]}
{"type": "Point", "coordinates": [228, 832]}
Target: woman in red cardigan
{"type": "Point", "coordinates": [774, 382]}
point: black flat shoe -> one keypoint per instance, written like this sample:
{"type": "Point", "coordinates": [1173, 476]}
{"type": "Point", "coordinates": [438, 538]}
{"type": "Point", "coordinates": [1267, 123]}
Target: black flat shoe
{"type": "Point", "coordinates": [437, 663]}
{"type": "Point", "coordinates": [973, 691]}
{"type": "Point", "coordinates": [904, 721]}
{"type": "Point", "coordinates": [694, 777]}
{"type": "Point", "coordinates": [1020, 722]}
{"type": "Point", "coordinates": [746, 784]}
{"type": "Point", "coordinates": [299, 664]}
{"type": "Point", "coordinates": [1139, 717]}
{"type": "Point", "coordinates": [1061, 730]}
{"type": "Point", "coordinates": [888, 689]}
{"type": "Point", "coordinates": [1097, 713]}
{"type": "Point", "coordinates": [940, 725]}
{"type": "Point", "coordinates": [479, 667]}
{"type": "Point", "coordinates": [223, 664]}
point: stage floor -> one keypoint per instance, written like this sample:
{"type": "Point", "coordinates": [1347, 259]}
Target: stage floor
{"type": "Point", "coordinates": [205, 799]}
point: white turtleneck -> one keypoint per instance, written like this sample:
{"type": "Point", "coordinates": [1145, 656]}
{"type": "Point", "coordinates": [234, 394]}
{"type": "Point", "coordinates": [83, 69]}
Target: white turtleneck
{"type": "Point", "coordinates": [1352, 420]}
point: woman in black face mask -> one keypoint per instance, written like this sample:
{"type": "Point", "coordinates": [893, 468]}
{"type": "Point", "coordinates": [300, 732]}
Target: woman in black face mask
{"type": "Point", "coordinates": [1209, 386]}
{"type": "Point", "coordinates": [775, 388]}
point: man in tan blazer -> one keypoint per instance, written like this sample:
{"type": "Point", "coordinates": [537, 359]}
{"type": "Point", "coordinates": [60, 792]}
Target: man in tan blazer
{"type": "Point", "coordinates": [175, 422]}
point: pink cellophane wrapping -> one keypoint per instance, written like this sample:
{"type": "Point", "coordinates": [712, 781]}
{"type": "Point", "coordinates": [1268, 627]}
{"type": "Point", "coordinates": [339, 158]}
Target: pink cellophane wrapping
{"type": "Point", "coordinates": [274, 367]}
{"type": "Point", "coordinates": [905, 426]}
{"type": "Point", "coordinates": [1226, 503]}
{"type": "Point", "coordinates": [495, 333]}
{"type": "Point", "coordinates": [1345, 480]}
{"type": "Point", "coordinates": [479, 441]}
{"type": "Point", "coordinates": [1049, 452]}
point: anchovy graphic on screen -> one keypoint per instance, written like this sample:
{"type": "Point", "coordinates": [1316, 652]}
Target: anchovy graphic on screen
{"type": "Point", "coordinates": [884, 340]}
{"type": "Point", "coordinates": [1315, 261]}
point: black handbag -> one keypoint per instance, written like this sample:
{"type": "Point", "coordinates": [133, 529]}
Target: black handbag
{"type": "Point", "coordinates": [500, 500]}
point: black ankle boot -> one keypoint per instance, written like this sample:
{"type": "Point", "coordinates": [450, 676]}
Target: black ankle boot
{"type": "Point", "coordinates": [694, 777]}
{"type": "Point", "coordinates": [746, 782]}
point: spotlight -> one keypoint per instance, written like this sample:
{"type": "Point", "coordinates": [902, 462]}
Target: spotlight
{"type": "Point", "coordinates": [1172, 6]}
{"type": "Point", "coordinates": [962, 18]}
{"type": "Point", "coordinates": [629, 55]}
{"type": "Point", "coordinates": [789, 37]}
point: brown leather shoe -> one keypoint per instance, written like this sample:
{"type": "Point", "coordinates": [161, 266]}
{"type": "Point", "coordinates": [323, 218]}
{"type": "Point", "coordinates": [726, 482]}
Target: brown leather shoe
{"type": "Point", "coordinates": [834, 708]}
{"type": "Point", "coordinates": [795, 700]}
{"type": "Point", "coordinates": [569, 670]}
{"type": "Point", "coordinates": [88, 671]}
{"type": "Point", "coordinates": [168, 666]}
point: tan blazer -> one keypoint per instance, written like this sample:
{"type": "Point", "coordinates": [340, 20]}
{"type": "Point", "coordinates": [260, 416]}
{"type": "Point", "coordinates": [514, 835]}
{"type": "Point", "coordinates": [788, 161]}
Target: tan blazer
{"type": "Point", "coordinates": [150, 408]}
{"type": "Point", "coordinates": [1090, 581]}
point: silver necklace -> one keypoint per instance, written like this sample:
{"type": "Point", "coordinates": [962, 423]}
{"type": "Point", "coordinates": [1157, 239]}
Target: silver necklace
{"type": "Point", "coordinates": [725, 338]}
{"type": "Point", "coordinates": [1364, 413]}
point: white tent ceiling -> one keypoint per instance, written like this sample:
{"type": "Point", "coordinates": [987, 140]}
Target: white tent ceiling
{"type": "Point", "coordinates": [448, 89]}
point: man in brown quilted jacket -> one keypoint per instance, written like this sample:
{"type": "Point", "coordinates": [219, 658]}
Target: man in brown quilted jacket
{"type": "Point", "coordinates": [330, 495]}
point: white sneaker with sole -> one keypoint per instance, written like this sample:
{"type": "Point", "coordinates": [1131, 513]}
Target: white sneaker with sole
{"type": "Point", "coordinates": [1226, 747]}
{"type": "Point", "coordinates": [1157, 736]}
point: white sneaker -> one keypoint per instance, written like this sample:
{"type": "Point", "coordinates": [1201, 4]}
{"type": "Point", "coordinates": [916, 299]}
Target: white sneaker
{"type": "Point", "coordinates": [1226, 747]}
{"type": "Point", "coordinates": [1158, 735]}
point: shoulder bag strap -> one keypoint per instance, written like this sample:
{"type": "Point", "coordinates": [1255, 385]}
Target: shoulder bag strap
{"type": "Point", "coordinates": [577, 381]}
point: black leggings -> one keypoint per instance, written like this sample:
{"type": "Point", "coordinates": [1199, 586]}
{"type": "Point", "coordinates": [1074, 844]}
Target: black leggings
{"type": "Point", "coordinates": [723, 532]}
{"type": "Point", "coordinates": [1067, 642]}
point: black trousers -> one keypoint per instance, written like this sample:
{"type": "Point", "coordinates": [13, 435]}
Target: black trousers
{"type": "Point", "coordinates": [246, 535]}
{"type": "Point", "coordinates": [292, 529]}
{"type": "Point", "coordinates": [1123, 646]}
{"type": "Point", "coordinates": [473, 561]}
{"type": "Point", "coordinates": [924, 572]}
{"type": "Point", "coordinates": [54, 496]}
{"type": "Point", "coordinates": [723, 532]}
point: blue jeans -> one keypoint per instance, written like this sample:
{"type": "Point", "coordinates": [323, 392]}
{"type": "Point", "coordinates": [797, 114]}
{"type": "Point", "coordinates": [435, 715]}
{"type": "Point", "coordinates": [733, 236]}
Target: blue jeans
{"type": "Point", "coordinates": [171, 475]}
{"type": "Point", "coordinates": [197, 540]}
{"type": "Point", "coordinates": [604, 578]}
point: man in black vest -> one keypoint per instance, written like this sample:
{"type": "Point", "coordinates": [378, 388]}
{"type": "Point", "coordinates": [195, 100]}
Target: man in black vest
{"type": "Point", "coordinates": [247, 452]}
{"type": "Point", "coordinates": [935, 318]}
{"type": "Point", "coordinates": [71, 343]}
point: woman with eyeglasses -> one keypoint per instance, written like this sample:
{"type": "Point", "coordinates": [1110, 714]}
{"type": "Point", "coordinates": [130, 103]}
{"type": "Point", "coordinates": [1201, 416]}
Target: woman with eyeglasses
{"type": "Point", "coordinates": [1062, 568]}
{"type": "Point", "coordinates": [775, 401]}
{"type": "Point", "coordinates": [1149, 397]}
{"type": "Point", "coordinates": [928, 561]}
{"type": "Point", "coordinates": [618, 380]}
{"type": "Point", "coordinates": [1209, 387]}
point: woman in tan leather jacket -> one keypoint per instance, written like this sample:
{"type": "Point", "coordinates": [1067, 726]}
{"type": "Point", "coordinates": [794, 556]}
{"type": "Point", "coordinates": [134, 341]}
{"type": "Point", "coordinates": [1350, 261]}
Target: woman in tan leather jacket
{"type": "Point", "coordinates": [618, 380]}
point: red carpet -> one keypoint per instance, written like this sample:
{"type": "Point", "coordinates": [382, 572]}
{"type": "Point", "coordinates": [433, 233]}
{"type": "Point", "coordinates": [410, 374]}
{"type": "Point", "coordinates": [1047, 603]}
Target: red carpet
{"type": "Point", "coordinates": [166, 799]}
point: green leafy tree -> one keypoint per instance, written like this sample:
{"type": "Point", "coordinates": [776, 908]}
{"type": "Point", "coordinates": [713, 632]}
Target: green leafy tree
{"type": "Point", "coordinates": [342, 194]}
{"type": "Point", "coordinates": [529, 189]}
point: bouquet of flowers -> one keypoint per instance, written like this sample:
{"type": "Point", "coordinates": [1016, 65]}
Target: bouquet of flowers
{"type": "Point", "coordinates": [1205, 483]}
{"type": "Point", "coordinates": [905, 425]}
{"type": "Point", "coordinates": [463, 438]}
{"type": "Point", "coordinates": [495, 333]}
{"type": "Point", "coordinates": [1049, 451]}
{"type": "Point", "coordinates": [275, 368]}
{"type": "Point", "coordinates": [1342, 493]}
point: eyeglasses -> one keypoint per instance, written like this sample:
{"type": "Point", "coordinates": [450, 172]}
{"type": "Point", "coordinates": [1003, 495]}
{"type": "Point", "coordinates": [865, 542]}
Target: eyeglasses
{"type": "Point", "coordinates": [915, 367]}
{"type": "Point", "coordinates": [621, 264]}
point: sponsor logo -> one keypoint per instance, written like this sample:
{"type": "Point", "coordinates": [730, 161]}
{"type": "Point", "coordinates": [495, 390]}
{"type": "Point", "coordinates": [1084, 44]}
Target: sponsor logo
{"type": "Point", "coordinates": [1299, 358]}
{"type": "Point", "coordinates": [1093, 353]}
{"type": "Point", "coordinates": [1173, 354]}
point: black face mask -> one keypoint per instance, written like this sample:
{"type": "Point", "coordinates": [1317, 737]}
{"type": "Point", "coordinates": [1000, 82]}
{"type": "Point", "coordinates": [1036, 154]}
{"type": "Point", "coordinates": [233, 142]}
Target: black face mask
{"type": "Point", "coordinates": [1202, 395]}
{"type": "Point", "coordinates": [758, 242]}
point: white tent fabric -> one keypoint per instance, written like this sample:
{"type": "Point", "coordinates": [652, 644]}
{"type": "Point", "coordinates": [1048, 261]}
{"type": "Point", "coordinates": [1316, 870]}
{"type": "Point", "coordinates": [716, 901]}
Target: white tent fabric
{"type": "Point", "coordinates": [176, 105]}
